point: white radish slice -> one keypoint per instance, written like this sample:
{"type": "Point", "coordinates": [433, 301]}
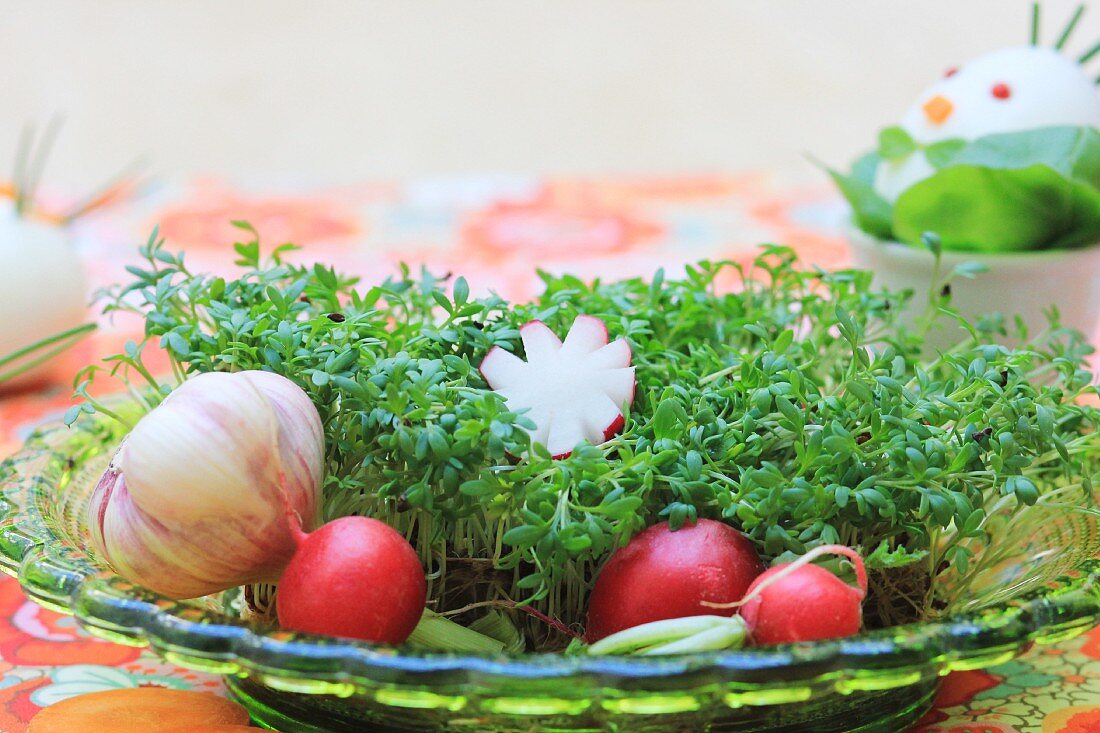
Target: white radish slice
{"type": "Point", "coordinates": [502, 367]}
{"type": "Point", "coordinates": [618, 384]}
{"type": "Point", "coordinates": [543, 420]}
{"type": "Point", "coordinates": [599, 415]}
{"type": "Point", "coordinates": [566, 432]}
{"type": "Point", "coordinates": [573, 390]}
{"type": "Point", "coordinates": [613, 356]}
{"type": "Point", "coordinates": [588, 334]}
{"type": "Point", "coordinates": [539, 342]}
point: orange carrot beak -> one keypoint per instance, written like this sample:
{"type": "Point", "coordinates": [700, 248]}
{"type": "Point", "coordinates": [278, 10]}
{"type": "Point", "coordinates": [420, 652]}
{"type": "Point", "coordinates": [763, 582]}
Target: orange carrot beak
{"type": "Point", "coordinates": [938, 109]}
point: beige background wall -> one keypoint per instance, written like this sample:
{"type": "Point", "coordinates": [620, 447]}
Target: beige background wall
{"type": "Point", "coordinates": [344, 89]}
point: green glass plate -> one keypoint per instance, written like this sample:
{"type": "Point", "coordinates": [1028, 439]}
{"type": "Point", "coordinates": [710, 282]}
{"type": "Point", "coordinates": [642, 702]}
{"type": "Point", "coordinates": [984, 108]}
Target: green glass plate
{"type": "Point", "coordinates": [1032, 587]}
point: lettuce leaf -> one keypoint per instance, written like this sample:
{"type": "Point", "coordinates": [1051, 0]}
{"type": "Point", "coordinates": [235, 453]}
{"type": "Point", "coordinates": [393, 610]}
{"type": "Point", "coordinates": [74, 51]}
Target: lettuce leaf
{"type": "Point", "coordinates": [871, 213]}
{"type": "Point", "coordinates": [1074, 152]}
{"type": "Point", "coordinates": [976, 208]}
{"type": "Point", "coordinates": [1030, 190]}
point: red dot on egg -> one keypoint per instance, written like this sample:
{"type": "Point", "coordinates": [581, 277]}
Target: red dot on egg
{"type": "Point", "coordinates": [1001, 91]}
{"type": "Point", "coordinates": [951, 72]}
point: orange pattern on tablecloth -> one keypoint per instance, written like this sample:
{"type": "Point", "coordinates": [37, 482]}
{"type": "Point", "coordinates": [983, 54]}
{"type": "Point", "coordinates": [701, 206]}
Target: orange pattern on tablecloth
{"type": "Point", "coordinates": [204, 219]}
{"type": "Point", "coordinates": [1078, 719]}
{"type": "Point", "coordinates": [16, 708]}
{"type": "Point", "coordinates": [31, 637]}
{"type": "Point", "coordinates": [545, 230]}
{"type": "Point", "coordinates": [1092, 644]}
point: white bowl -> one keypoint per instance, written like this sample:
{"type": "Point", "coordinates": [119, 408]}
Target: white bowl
{"type": "Point", "coordinates": [1025, 284]}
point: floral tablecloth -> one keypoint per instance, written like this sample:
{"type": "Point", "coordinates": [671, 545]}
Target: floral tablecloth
{"type": "Point", "coordinates": [494, 230]}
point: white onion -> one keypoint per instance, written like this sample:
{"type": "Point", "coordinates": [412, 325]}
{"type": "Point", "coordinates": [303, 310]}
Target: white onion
{"type": "Point", "coordinates": [43, 289]}
{"type": "Point", "coordinates": [198, 497]}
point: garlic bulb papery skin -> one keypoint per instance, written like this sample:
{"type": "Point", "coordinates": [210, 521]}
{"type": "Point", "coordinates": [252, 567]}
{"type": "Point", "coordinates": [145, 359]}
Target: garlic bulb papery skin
{"type": "Point", "coordinates": [43, 287]}
{"type": "Point", "coordinates": [201, 494]}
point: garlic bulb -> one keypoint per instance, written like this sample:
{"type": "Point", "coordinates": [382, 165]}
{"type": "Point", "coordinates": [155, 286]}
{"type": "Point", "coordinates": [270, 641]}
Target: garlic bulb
{"type": "Point", "coordinates": [43, 288]}
{"type": "Point", "coordinates": [199, 496]}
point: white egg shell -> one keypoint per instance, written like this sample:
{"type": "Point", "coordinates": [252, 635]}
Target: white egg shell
{"type": "Point", "coordinates": [43, 287]}
{"type": "Point", "coordinates": [1044, 89]}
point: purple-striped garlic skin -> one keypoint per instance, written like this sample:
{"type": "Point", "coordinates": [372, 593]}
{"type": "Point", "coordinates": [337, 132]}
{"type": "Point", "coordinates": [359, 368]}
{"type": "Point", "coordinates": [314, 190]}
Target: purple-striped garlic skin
{"type": "Point", "coordinates": [197, 498]}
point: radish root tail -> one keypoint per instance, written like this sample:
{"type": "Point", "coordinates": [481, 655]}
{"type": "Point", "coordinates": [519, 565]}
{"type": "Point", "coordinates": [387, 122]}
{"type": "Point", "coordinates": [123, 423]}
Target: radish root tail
{"type": "Point", "coordinates": [843, 550]}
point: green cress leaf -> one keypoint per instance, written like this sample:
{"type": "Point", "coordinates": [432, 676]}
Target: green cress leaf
{"type": "Point", "coordinates": [461, 291]}
{"type": "Point", "coordinates": [870, 212]}
{"type": "Point", "coordinates": [72, 414]}
{"type": "Point", "coordinates": [969, 270]}
{"type": "Point", "coordinates": [666, 420]}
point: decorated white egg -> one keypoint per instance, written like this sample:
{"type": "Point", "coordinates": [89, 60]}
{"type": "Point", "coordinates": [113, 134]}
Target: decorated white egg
{"type": "Point", "coordinates": [1009, 90]}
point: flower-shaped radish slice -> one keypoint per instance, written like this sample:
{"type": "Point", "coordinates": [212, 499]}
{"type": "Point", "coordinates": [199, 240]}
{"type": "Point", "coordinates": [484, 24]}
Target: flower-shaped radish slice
{"type": "Point", "coordinates": [573, 391]}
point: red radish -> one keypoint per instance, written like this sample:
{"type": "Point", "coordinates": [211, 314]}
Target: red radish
{"type": "Point", "coordinates": [661, 574]}
{"type": "Point", "coordinates": [574, 390]}
{"type": "Point", "coordinates": [801, 602]}
{"type": "Point", "coordinates": [353, 577]}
